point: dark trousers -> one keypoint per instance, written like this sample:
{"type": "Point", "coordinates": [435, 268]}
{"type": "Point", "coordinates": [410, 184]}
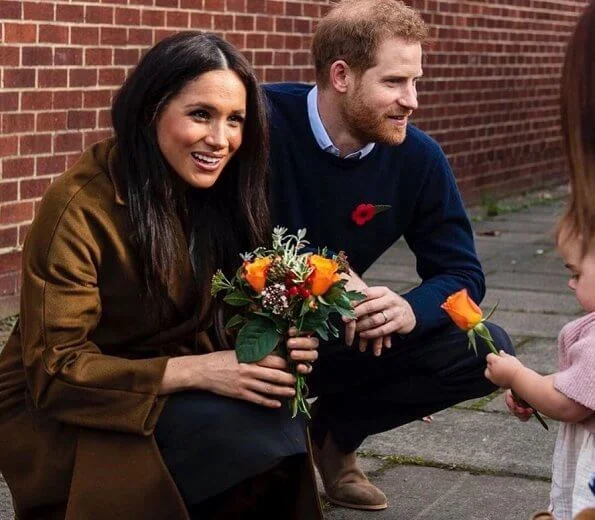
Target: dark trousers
{"type": "Point", "coordinates": [360, 394]}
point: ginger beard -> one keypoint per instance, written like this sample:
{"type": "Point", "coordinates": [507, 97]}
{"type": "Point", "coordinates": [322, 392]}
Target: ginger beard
{"type": "Point", "coordinates": [369, 125]}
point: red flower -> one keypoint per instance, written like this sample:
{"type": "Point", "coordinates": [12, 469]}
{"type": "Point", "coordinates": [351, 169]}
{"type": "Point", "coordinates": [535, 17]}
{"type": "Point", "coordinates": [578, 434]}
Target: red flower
{"type": "Point", "coordinates": [363, 213]}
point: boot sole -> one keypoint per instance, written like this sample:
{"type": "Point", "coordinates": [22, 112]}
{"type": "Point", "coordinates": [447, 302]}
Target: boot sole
{"type": "Point", "coordinates": [361, 507]}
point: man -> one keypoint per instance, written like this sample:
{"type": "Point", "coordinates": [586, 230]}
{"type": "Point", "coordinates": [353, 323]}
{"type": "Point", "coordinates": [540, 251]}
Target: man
{"type": "Point", "coordinates": [348, 142]}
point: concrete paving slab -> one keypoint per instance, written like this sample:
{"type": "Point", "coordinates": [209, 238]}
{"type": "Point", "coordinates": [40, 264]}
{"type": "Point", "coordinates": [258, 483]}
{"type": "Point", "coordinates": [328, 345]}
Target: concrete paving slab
{"type": "Point", "coordinates": [393, 272]}
{"type": "Point", "coordinates": [512, 224]}
{"type": "Point", "coordinates": [494, 442]}
{"type": "Point", "coordinates": [531, 301]}
{"type": "Point", "coordinates": [526, 261]}
{"type": "Point", "coordinates": [533, 325]}
{"type": "Point", "coordinates": [496, 234]}
{"type": "Point", "coordinates": [418, 493]}
{"type": "Point", "coordinates": [6, 509]}
{"type": "Point", "coordinates": [553, 283]}
{"type": "Point", "coordinates": [539, 354]}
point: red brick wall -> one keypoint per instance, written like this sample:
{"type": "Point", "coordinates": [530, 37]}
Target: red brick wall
{"type": "Point", "coordinates": [490, 96]}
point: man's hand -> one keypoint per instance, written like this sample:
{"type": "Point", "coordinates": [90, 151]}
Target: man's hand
{"type": "Point", "coordinates": [382, 313]}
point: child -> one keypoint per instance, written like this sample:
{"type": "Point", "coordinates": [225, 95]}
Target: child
{"type": "Point", "coordinates": [568, 395]}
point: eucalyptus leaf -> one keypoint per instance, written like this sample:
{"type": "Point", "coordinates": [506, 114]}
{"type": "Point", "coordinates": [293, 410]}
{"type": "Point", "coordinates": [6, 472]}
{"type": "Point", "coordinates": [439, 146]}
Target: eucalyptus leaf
{"type": "Point", "coordinates": [256, 339]}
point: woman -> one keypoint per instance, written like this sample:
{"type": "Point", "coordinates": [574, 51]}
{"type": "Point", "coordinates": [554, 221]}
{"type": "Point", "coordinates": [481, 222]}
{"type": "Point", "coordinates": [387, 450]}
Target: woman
{"type": "Point", "coordinates": [116, 314]}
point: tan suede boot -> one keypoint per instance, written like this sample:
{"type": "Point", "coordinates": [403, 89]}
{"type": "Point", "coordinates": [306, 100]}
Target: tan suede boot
{"type": "Point", "coordinates": [345, 484]}
{"type": "Point", "coordinates": [586, 514]}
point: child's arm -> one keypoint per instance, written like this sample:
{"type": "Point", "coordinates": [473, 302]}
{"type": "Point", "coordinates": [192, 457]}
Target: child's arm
{"type": "Point", "coordinates": [508, 372]}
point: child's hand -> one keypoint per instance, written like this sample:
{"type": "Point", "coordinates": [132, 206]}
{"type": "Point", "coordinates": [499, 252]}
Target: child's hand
{"type": "Point", "coordinates": [522, 413]}
{"type": "Point", "coordinates": [502, 369]}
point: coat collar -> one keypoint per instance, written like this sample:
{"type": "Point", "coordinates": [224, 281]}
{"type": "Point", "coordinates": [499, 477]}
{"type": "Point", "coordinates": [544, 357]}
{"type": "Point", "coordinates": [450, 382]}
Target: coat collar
{"type": "Point", "coordinates": [112, 165]}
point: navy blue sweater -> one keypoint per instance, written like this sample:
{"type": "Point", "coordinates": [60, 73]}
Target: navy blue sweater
{"type": "Point", "coordinates": [313, 189]}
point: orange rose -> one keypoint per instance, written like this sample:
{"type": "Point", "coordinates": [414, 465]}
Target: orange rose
{"type": "Point", "coordinates": [255, 272]}
{"type": "Point", "coordinates": [324, 274]}
{"type": "Point", "coordinates": [462, 310]}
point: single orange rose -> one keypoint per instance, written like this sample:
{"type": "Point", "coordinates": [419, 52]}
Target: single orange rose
{"type": "Point", "coordinates": [462, 310]}
{"type": "Point", "coordinates": [255, 272]}
{"type": "Point", "coordinates": [324, 274]}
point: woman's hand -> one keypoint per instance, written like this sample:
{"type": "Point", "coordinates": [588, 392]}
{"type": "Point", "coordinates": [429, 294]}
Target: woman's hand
{"type": "Point", "coordinates": [263, 383]}
{"type": "Point", "coordinates": [522, 413]}
{"type": "Point", "coordinates": [303, 350]}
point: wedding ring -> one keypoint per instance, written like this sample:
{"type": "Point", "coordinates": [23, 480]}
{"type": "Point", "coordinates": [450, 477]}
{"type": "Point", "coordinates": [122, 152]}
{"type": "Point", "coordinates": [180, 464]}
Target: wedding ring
{"type": "Point", "coordinates": [385, 316]}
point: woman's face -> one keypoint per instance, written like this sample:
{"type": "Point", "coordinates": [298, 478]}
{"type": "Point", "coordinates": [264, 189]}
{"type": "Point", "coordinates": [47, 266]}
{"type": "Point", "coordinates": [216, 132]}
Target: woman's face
{"type": "Point", "coordinates": [200, 129]}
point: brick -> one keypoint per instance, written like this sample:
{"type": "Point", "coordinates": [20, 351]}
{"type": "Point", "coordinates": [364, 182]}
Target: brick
{"type": "Point", "coordinates": [37, 56]}
{"type": "Point", "coordinates": [84, 35]}
{"type": "Point", "coordinates": [9, 145]}
{"type": "Point", "coordinates": [112, 76]}
{"type": "Point", "coordinates": [36, 100]}
{"type": "Point", "coordinates": [153, 18]}
{"type": "Point", "coordinates": [97, 98]}
{"type": "Point", "coordinates": [142, 37]}
{"type": "Point", "coordinates": [68, 142]}
{"type": "Point", "coordinates": [126, 56]}
{"type": "Point", "coordinates": [238, 6]}
{"type": "Point", "coordinates": [264, 23]}
{"type": "Point", "coordinates": [47, 78]}
{"type": "Point", "coordinates": [33, 188]}
{"type": "Point", "coordinates": [223, 22]}
{"type": "Point", "coordinates": [127, 16]}
{"type": "Point", "coordinates": [9, 281]}
{"type": "Point", "coordinates": [84, 77]}
{"type": "Point", "coordinates": [67, 99]}
{"type": "Point", "coordinates": [11, 10]}
{"type": "Point", "coordinates": [113, 36]}
{"type": "Point", "coordinates": [98, 56]}
{"type": "Point", "coordinates": [201, 20]}
{"type": "Point", "coordinates": [214, 5]}
{"type": "Point", "coordinates": [9, 101]}
{"type": "Point", "coordinates": [256, 6]}
{"type": "Point", "coordinates": [20, 33]}
{"type": "Point", "coordinates": [68, 56]}
{"type": "Point", "coordinates": [19, 78]}
{"type": "Point", "coordinates": [8, 236]}
{"type": "Point", "coordinates": [52, 33]}
{"type": "Point", "coordinates": [177, 19]}
{"type": "Point", "coordinates": [17, 167]}
{"type": "Point", "coordinates": [196, 5]}
{"type": "Point", "coordinates": [166, 3]}
{"type": "Point", "coordinates": [38, 11]}
{"type": "Point", "coordinates": [99, 15]}
{"type": "Point", "coordinates": [14, 213]}
{"type": "Point", "coordinates": [245, 23]}
{"type": "Point", "coordinates": [275, 7]}
{"type": "Point", "coordinates": [9, 56]}
{"type": "Point", "coordinates": [50, 120]}
{"type": "Point", "coordinates": [34, 144]}
{"type": "Point", "coordinates": [17, 123]}
{"type": "Point", "coordinates": [81, 119]}
{"type": "Point", "coordinates": [236, 39]}
{"type": "Point", "coordinates": [9, 191]}
{"type": "Point", "coordinates": [50, 164]}
{"type": "Point", "coordinates": [70, 13]}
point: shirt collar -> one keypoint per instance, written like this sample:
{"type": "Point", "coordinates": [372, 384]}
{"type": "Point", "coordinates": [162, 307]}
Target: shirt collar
{"type": "Point", "coordinates": [321, 135]}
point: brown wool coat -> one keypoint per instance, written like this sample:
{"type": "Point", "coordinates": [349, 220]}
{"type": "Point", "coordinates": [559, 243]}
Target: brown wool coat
{"type": "Point", "coordinates": [79, 376]}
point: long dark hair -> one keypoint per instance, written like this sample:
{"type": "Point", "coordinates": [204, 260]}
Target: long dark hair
{"type": "Point", "coordinates": [578, 128]}
{"type": "Point", "coordinates": [222, 221]}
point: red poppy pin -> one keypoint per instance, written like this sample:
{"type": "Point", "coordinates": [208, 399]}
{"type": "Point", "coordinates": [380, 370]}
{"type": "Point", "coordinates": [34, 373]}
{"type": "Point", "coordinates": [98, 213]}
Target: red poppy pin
{"type": "Point", "coordinates": [365, 212]}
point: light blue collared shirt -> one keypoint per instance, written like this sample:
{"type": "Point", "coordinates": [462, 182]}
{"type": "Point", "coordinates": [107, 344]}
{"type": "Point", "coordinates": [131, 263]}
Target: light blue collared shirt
{"type": "Point", "coordinates": [321, 135]}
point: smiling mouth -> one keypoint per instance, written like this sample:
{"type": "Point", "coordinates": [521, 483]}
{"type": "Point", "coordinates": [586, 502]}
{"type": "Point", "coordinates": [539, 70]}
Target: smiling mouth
{"type": "Point", "coordinates": [207, 162]}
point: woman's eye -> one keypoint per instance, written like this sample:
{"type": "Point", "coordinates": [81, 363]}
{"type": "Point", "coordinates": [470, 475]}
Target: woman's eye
{"type": "Point", "coordinates": [237, 119]}
{"type": "Point", "coordinates": [200, 114]}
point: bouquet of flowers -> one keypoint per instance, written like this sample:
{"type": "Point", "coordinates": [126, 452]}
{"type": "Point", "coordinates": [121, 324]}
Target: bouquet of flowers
{"type": "Point", "coordinates": [467, 315]}
{"type": "Point", "coordinates": [283, 287]}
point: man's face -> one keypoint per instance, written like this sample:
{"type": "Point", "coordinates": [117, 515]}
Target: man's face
{"type": "Point", "coordinates": [378, 104]}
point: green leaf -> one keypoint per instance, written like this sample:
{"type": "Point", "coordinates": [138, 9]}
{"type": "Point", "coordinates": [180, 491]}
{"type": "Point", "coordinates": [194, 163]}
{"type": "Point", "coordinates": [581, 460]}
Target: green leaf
{"type": "Point", "coordinates": [355, 296]}
{"type": "Point", "coordinates": [237, 299]}
{"type": "Point", "coordinates": [321, 331]}
{"type": "Point", "coordinates": [348, 313]}
{"type": "Point", "coordinates": [234, 321]}
{"type": "Point", "coordinates": [379, 208]}
{"type": "Point", "coordinates": [472, 343]}
{"type": "Point", "coordinates": [256, 339]}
